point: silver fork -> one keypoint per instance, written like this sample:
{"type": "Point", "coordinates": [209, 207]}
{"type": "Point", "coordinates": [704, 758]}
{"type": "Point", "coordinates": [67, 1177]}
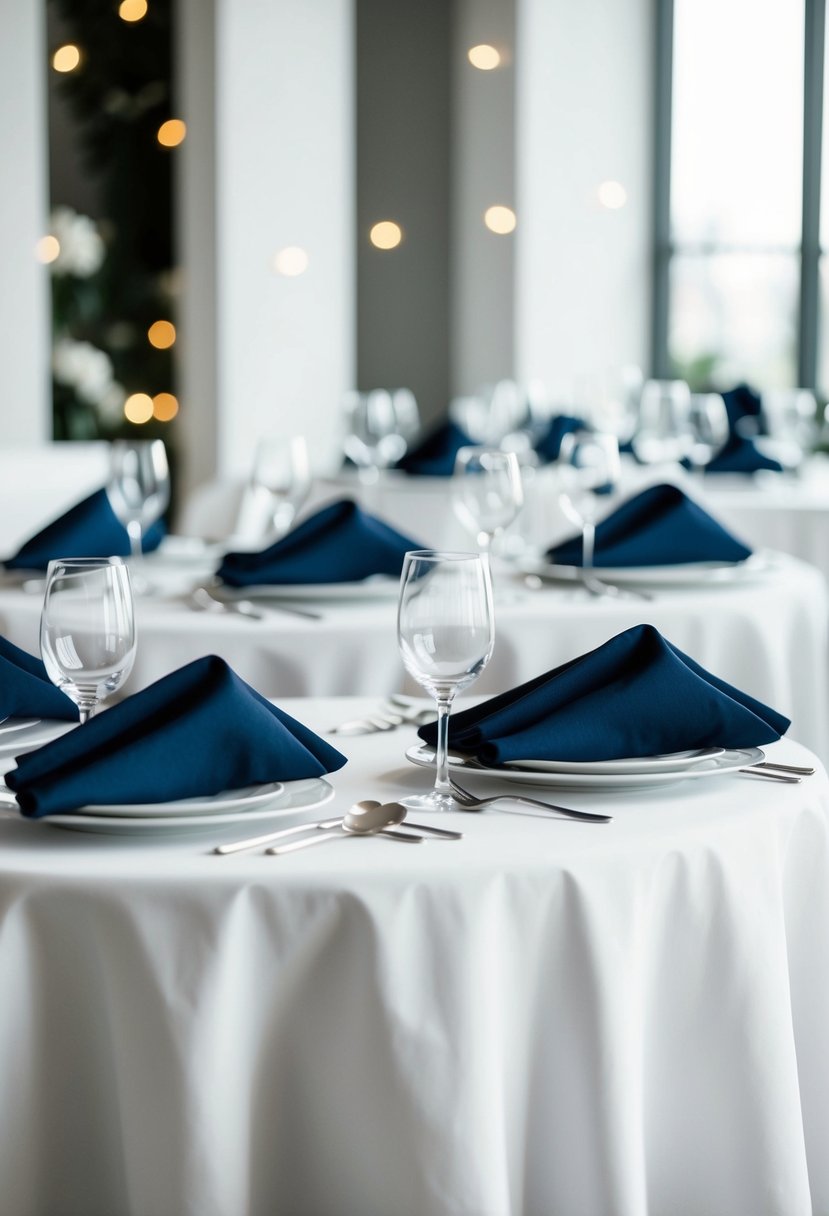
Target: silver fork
{"type": "Point", "coordinates": [468, 802]}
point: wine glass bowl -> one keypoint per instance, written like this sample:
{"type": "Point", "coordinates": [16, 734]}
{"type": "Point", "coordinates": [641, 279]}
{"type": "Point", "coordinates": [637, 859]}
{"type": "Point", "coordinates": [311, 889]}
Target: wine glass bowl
{"type": "Point", "coordinates": [87, 629]}
{"type": "Point", "coordinates": [139, 487]}
{"type": "Point", "coordinates": [663, 431]}
{"type": "Point", "coordinates": [487, 492]}
{"type": "Point", "coordinates": [374, 439]}
{"type": "Point", "coordinates": [708, 421]}
{"type": "Point", "coordinates": [445, 630]}
{"type": "Point", "coordinates": [281, 477]}
{"type": "Point", "coordinates": [588, 467]}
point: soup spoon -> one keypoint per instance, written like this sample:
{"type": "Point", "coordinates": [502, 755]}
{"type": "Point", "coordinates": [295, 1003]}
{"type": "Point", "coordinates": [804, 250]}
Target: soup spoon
{"type": "Point", "coordinates": [368, 818]}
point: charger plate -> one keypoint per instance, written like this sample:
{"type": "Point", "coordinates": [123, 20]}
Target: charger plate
{"type": "Point", "coordinates": [728, 761]}
{"type": "Point", "coordinates": [231, 807]}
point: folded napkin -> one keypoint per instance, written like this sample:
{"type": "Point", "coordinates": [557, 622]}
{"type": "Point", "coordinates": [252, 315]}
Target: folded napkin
{"type": "Point", "coordinates": [660, 526]}
{"type": "Point", "coordinates": [195, 732]}
{"type": "Point", "coordinates": [339, 544]}
{"type": "Point", "coordinates": [745, 411]}
{"type": "Point", "coordinates": [25, 689]}
{"type": "Point", "coordinates": [548, 446]}
{"type": "Point", "coordinates": [89, 529]}
{"type": "Point", "coordinates": [636, 695]}
{"type": "Point", "coordinates": [435, 455]}
{"type": "Point", "coordinates": [741, 455]}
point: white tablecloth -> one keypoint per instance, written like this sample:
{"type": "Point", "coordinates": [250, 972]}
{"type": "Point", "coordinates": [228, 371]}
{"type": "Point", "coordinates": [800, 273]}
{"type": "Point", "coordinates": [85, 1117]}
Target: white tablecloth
{"type": "Point", "coordinates": [544, 1019]}
{"type": "Point", "coordinates": [766, 634]}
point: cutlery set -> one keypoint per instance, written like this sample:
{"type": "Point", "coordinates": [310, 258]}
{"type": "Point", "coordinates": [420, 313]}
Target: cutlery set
{"type": "Point", "coordinates": [394, 712]}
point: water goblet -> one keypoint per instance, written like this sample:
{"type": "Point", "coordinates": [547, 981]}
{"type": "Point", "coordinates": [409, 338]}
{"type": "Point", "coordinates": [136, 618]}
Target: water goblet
{"type": "Point", "coordinates": [588, 466]}
{"type": "Point", "coordinates": [446, 631]}
{"type": "Point", "coordinates": [138, 490]}
{"type": "Point", "coordinates": [663, 433]}
{"type": "Point", "coordinates": [487, 492]}
{"type": "Point", "coordinates": [281, 479]}
{"type": "Point", "coordinates": [373, 439]}
{"type": "Point", "coordinates": [87, 628]}
{"type": "Point", "coordinates": [708, 419]}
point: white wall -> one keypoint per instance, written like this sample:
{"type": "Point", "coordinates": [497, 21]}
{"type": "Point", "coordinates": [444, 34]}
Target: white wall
{"type": "Point", "coordinates": [584, 74]}
{"type": "Point", "coordinates": [24, 305]}
{"type": "Point", "coordinates": [284, 172]}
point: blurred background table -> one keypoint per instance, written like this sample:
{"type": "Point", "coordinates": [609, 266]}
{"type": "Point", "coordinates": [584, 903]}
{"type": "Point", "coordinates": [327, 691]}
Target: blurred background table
{"type": "Point", "coordinates": [544, 1017]}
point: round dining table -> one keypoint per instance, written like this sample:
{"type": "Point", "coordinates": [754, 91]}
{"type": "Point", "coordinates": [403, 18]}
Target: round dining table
{"type": "Point", "coordinates": [762, 629]}
{"type": "Point", "coordinates": [544, 1017]}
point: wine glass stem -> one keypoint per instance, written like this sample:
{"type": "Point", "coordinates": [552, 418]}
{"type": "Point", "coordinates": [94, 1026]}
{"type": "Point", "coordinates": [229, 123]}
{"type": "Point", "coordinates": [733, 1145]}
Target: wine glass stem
{"type": "Point", "coordinates": [134, 533]}
{"type": "Point", "coordinates": [588, 544]}
{"type": "Point", "coordinates": [444, 707]}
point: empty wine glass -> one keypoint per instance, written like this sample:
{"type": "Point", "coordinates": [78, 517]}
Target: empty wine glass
{"type": "Point", "coordinates": [87, 628]}
{"type": "Point", "coordinates": [708, 421]}
{"type": "Point", "coordinates": [446, 631]}
{"type": "Point", "coordinates": [588, 466]}
{"type": "Point", "coordinates": [281, 479]}
{"type": "Point", "coordinates": [373, 439]}
{"type": "Point", "coordinates": [663, 433]}
{"type": "Point", "coordinates": [139, 488]}
{"type": "Point", "coordinates": [789, 418]}
{"type": "Point", "coordinates": [487, 492]}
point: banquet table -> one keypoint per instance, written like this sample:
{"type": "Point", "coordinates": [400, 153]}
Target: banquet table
{"type": "Point", "coordinates": [546, 1017]}
{"type": "Point", "coordinates": [766, 633]}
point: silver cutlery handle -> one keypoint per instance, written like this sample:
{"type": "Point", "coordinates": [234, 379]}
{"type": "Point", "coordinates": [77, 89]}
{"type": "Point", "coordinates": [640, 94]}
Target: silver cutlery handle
{"type": "Point", "coordinates": [253, 842]}
{"type": "Point", "coordinates": [317, 838]}
{"type": "Point", "coordinates": [443, 832]}
{"type": "Point", "coordinates": [769, 776]}
{"type": "Point", "coordinates": [801, 771]}
{"type": "Point", "coordinates": [561, 810]}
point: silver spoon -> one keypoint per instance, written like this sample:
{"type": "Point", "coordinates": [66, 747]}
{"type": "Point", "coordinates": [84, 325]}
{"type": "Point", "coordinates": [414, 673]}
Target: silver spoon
{"type": "Point", "coordinates": [366, 818]}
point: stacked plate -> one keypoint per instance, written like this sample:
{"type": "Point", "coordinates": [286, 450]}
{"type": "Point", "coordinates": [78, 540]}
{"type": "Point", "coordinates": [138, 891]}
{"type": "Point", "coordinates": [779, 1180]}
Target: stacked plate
{"type": "Point", "coordinates": [633, 773]}
{"type": "Point", "coordinates": [687, 574]}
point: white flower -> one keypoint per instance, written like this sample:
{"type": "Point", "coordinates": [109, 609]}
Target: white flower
{"type": "Point", "coordinates": [81, 248]}
{"type": "Point", "coordinates": [86, 369]}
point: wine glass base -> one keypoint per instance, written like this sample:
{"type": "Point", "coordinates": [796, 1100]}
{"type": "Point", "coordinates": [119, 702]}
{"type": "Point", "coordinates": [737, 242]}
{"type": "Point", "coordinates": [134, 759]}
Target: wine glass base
{"type": "Point", "coordinates": [433, 801]}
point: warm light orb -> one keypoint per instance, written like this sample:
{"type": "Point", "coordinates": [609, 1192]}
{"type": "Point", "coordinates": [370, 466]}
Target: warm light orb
{"type": "Point", "coordinates": [612, 195]}
{"type": "Point", "coordinates": [484, 57]}
{"type": "Point", "coordinates": [47, 249]}
{"type": "Point", "coordinates": [138, 408]}
{"type": "Point", "coordinates": [165, 407]}
{"type": "Point", "coordinates": [66, 58]}
{"type": "Point", "coordinates": [386, 235]}
{"type": "Point", "coordinates": [171, 133]}
{"type": "Point", "coordinates": [291, 261]}
{"type": "Point", "coordinates": [132, 10]}
{"type": "Point", "coordinates": [500, 220]}
{"type": "Point", "coordinates": [162, 334]}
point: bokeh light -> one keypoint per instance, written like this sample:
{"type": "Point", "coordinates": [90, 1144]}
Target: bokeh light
{"type": "Point", "coordinates": [132, 10]}
{"type": "Point", "coordinates": [47, 249]}
{"type": "Point", "coordinates": [161, 334]}
{"type": "Point", "coordinates": [171, 133]}
{"type": "Point", "coordinates": [484, 57]}
{"type": "Point", "coordinates": [66, 58]}
{"type": "Point", "coordinates": [500, 220]}
{"type": "Point", "coordinates": [612, 195]}
{"type": "Point", "coordinates": [138, 408]}
{"type": "Point", "coordinates": [291, 261]}
{"type": "Point", "coordinates": [386, 234]}
{"type": "Point", "coordinates": [165, 407]}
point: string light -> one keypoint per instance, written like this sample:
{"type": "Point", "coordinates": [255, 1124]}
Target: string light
{"type": "Point", "coordinates": [484, 57]}
{"type": "Point", "coordinates": [47, 249]}
{"type": "Point", "coordinates": [171, 133]}
{"type": "Point", "coordinates": [386, 234]}
{"type": "Point", "coordinates": [66, 58]}
{"type": "Point", "coordinates": [132, 10]}
{"type": "Point", "coordinates": [165, 407]}
{"type": "Point", "coordinates": [138, 408]}
{"type": "Point", "coordinates": [161, 334]}
{"type": "Point", "coordinates": [291, 261]}
{"type": "Point", "coordinates": [500, 220]}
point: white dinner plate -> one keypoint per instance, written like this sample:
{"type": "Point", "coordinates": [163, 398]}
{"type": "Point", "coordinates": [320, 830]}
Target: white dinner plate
{"type": "Point", "coordinates": [250, 807]}
{"type": "Point", "coordinates": [18, 735]}
{"type": "Point", "coordinates": [379, 586]}
{"type": "Point", "coordinates": [688, 574]}
{"type": "Point", "coordinates": [670, 762]}
{"type": "Point", "coordinates": [210, 804]}
{"type": "Point", "coordinates": [727, 762]}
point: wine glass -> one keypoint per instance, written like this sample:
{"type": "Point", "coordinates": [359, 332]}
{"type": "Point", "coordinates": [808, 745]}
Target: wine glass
{"type": "Point", "coordinates": [281, 479]}
{"type": "Point", "coordinates": [588, 466]}
{"type": "Point", "coordinates": [139, 487]}
{"type": "Point", "coordinates": [663, 433]}
{"type": "Point", "coordinates": [487, 491]}
{"type": "Point", "coordinates": [373, 440]}
{"type": "Point", "coordinates": [87, 628]}
{"type": "Point", "coordinates": [708, 420]}
{"type": "Point", "coordinates": [446, 631]}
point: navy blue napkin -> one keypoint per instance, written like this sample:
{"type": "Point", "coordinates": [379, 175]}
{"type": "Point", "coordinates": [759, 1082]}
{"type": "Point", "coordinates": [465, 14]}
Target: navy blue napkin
{"type": "Point", "coordinates": [745, 411]}
{"type": "Point", "coordinates": [339, 544]}
{"type": "Point", "coordinates": [741, 455]}
{"type": "Point", "coordinates": [89, 529]}
{"type": "Point", "coordinates": [25, 689]}
{"type": "Point", "coordinates": [548, 446]}
{"type": "Point", "coordinates": [636, 695]}
{"type": "Point", "coordinates": [660, 526]}
{"type": "Point", "coordinates": [195, 732]}
{"type": "Point", "coordinates": [435, 455]}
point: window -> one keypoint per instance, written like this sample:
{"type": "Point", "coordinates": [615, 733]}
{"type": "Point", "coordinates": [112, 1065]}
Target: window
{"type": "Point", "coordinates": [739, 272]}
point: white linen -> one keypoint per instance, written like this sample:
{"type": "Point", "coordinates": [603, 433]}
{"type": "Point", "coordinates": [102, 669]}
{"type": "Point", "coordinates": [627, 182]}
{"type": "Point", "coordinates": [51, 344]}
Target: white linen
{"type": "Point", "coordinates": [544, 1018]}
{"type": "Point", "coordinates": [766, 635]}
